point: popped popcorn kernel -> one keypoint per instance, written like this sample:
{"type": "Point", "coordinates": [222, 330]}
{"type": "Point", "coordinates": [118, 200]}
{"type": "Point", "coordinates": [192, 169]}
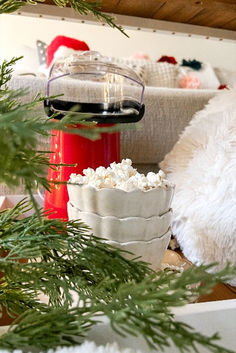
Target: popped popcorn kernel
{"type": "Point", "coordinates": [120, 176]}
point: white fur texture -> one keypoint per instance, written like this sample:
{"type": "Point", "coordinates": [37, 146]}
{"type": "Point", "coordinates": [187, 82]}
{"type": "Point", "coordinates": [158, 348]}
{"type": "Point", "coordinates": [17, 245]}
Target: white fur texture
{"type": "Point", "coordinates": [202, 164]}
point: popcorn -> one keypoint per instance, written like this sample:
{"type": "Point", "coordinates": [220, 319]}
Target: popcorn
{"type": "Point", "coordinates": [100, 171]}
{"type": "Point", "coordinates": [89, 172]}
{"type": "Point", "coordinates": [120, 176]}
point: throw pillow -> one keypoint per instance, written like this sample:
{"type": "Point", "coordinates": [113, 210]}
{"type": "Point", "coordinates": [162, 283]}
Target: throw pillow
{"type": "Point", "coordinates": [206, 75]}
{"type": "Point", "coordinates": [161, 74]}
{"type": "Point", "coordinates": [226, 77]}
{"type": "Point", "coordinates": [29, 62]}
{"type": "Point", "coordinates": [202, 165]}
{"type": "Point", "coordinates": [138, 66]}
{"type": "Point", "coordinates": [65, 46]}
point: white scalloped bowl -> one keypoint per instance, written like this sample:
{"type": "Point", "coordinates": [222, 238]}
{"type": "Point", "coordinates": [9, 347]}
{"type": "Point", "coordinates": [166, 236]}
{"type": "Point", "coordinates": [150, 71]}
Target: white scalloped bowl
{"type": "Point", "coordinates": [119, 203]}
{"type": "Point", "coordinates": [151, 251]}
{"type": "Point", "coordinates": [122, 229]}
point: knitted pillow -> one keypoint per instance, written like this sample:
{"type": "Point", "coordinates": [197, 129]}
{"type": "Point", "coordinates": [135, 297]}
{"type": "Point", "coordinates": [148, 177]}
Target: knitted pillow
{"type": "Point", "coordinates": [139, 66]}
{"type": "Point", "coordinates": [206, 75]}
{"type": "Point", "coordinates": [161, 74]}
{"type": "Point", "coordinates": [202, 165]}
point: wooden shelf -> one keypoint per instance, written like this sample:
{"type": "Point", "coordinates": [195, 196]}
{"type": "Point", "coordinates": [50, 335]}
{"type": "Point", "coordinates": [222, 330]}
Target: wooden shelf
{"type": "Point", "coordinates": [206, 13]}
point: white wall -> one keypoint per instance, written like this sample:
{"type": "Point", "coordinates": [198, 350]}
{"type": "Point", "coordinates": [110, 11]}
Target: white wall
{"type": "Point", "coordinates": [17, 31]}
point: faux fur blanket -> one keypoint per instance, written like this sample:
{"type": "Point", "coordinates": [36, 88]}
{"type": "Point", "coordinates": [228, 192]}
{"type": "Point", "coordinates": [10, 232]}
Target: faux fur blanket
{"type": "Point", "coordinates": [202, 164]}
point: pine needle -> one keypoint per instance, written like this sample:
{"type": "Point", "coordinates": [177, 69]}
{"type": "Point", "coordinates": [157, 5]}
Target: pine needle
{"type": "Point", "coordinates": [65, 257]}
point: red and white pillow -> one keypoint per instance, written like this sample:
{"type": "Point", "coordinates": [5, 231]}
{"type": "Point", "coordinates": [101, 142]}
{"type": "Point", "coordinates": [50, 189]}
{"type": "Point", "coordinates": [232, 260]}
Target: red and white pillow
{"type": "Point", "coordinates": [62, 46]}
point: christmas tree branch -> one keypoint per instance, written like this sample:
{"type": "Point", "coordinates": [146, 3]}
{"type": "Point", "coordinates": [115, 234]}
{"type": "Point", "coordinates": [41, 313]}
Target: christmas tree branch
{"type": "Point", "coordinates": [136, 300]}
{"type": "Point", "coordinates": [82, 7]}
{"type": "Point", "coordinates": [63, 252]}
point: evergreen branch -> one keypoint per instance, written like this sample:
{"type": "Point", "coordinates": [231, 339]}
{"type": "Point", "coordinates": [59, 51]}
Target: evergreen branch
{"type": "Point", "coordinates": [135, 299]}
{"type": "Point", "coordinates": [63, 253]}
{"type": "Point", "coordinates": [49, 327]}
{"type": "Point", "coordinates": [144, 308]}
{"type": "Point", "coordinates": [6, 68]}
{"type": "Point", "coordinates": [16, 301]}
{"type": "Point", "coordinates": [8, 6]}
{"type": "Point", "coordinates": [130, 312]}
{"type": "Point", "coordinates": [82, 7]}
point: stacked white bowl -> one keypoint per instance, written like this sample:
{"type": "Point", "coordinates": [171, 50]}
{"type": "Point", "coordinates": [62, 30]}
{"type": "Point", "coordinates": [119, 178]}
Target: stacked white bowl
{"type": "Point", "coordinates": [137, 221]}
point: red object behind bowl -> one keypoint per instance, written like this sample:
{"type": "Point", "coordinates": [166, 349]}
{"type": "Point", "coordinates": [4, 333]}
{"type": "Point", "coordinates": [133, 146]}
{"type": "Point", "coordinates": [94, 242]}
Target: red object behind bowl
{"type": "Point", "coordinates": [74, 149]}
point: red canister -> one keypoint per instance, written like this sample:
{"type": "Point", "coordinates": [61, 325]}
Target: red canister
{"type": "Point", "coordinates": [83, 153]}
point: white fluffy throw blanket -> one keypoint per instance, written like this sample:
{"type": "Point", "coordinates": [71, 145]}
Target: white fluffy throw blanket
{"type": "Point", "coordinates": [202, 164]}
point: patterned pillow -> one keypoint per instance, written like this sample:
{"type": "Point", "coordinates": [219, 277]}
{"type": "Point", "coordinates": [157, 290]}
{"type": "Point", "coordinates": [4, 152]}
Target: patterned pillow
{"type": "Point", "coordinates": [161, 74]}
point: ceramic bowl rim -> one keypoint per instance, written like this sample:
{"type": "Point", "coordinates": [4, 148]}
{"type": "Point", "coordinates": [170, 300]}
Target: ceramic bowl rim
{"type": "Point", "coordinates": [170, 211]}
{"type": "Point", "coordinates": [87, 186]}
{"type": "Point", "coordinates": [141, 242]}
